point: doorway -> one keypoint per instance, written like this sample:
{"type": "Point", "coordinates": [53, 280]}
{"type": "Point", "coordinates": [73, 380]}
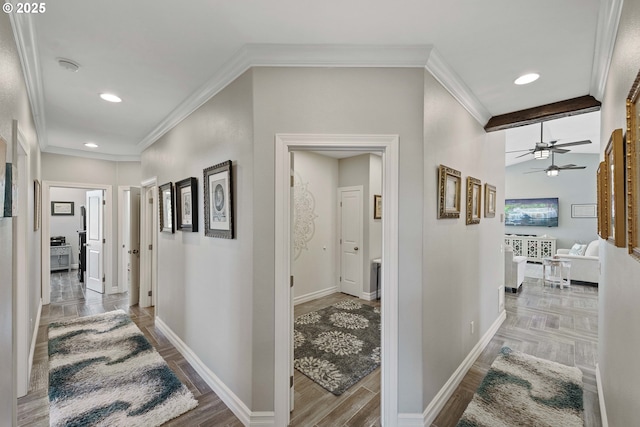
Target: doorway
{"type": "Point", "coordinates": [129, 242]}
{"type": "Point", "coordinates": [148, 242]}
{"type": "Point", "coordinates": [388, 146]}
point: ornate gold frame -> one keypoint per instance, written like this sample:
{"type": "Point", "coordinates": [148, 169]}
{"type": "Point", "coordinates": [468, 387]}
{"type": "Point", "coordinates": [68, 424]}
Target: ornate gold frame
{"type": "Point", "coordinates": [603, 231]}
{"type": "Point", "coordinates": [616, 209]}
{"type": "Point", "coordinates": [474, 200]}
{"type": "Point", "coordinates": [449, 181]}
{"type": "Point", "coordinates": [633, 170]}
{"type": "Point", "coordinates": [489, 201]}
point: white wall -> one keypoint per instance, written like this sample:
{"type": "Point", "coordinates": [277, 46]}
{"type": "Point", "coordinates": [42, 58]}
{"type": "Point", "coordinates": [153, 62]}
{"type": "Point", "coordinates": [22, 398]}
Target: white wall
{"type": "Point", "coordinates": [315, 267]}
{"type": "Point", "coordinates": [619, 289]}
{"type": "Point", "coordinates": [67, 226]}
{"type": "Point", "coordinates": [570, 187]}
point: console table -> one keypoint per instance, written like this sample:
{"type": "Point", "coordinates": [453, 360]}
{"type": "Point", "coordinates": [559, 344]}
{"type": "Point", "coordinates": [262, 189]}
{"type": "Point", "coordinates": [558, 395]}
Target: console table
{"type": "Point", "coordinates": [60, 257]}
{"type": "Point", "coordinates": [534, 248]}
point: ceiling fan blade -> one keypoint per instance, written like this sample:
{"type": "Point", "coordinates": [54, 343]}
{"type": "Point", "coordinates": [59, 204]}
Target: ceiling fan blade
{"type": "Point", "coordinates": [572, 167]}
{"type": "Point", "coordinates": [542, 170]}
{"type": "Point", "coordinates": [525, 154]}
{"type": "Point", "coordinates": [559, 150]}
{"type": "Point", "coordinates": [518, 151]}
{"type": "Point", "coordinates": [569, 144]}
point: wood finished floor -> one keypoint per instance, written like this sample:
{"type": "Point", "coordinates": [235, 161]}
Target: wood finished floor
{"type": "Point", "coordinates": [69, 299]}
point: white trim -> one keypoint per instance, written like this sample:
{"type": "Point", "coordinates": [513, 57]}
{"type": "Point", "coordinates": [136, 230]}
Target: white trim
{"type": "Point", "coordinates": [608, 22]}
{"type": "Point", "coordinates": [233, 402]}
{"type": "Point", "coordinates": [148, 261]}
{"type": "Point", "coordinates": [438, 402]}
{"type": "Point", "coordinates": [46, 231]}
{"type": "Point", "coordinates": [92, 154]}
{"type": "Point", "coordinates": [34, 338]}
{"type": "Point", "coordinates": [368, 296]}
{"type": "Point", "coordinates": [389, 146]}
{"type": "Point", "coordinates": [315, 295]}
{"type": "Point", "coordinates": [411, 420]}
{"type": "Point", "coordinates": [603, 409]}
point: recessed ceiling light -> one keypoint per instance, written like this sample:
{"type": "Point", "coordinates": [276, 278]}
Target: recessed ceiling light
{"type": "Point", "coordinates": [527, 78]}
{"type": "Point", "coordinates": [91, 145]}
{"type": "Point", "coordinates": [110, 97]}
{"type": "Point", "coordinates": [68, 64]}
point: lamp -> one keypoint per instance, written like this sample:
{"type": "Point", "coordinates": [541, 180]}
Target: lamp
{"type": "Point", "coordinates": [541, 154]}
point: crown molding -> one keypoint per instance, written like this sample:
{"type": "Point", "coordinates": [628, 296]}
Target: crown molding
{"type": "Point", "coordinates": [25, 36]}
{"type": "Point", "coordinates": [91, 155]}
{"type": "Point", "coordinates": [290, 55]}
{"type": "Point", "coordinates": [608, 22]}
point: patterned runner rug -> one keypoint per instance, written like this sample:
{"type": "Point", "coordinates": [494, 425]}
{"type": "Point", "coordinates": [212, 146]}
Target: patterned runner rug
{"type": "Point", "coordinates": [522, 390]}
{"type": "Point", "coordinates": [103, 371]}
{"type": "Point", "coordinates": [338, 345]}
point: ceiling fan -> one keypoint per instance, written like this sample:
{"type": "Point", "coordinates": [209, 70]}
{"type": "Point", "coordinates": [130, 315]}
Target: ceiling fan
{"type": "Point", "coordinates": [554, 170]}
{"type": "Point", "coordinates": [543, 149]}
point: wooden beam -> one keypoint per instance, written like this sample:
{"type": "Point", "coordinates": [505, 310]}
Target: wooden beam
{"type": "Point", "coordinates": [556, 110]}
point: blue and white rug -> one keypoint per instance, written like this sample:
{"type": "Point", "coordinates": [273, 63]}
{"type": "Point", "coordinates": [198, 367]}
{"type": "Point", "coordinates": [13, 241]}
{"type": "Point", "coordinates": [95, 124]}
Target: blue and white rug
{"type": "Point", "coordinates": [104, 372]}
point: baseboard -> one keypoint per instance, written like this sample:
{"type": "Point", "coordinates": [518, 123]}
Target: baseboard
{"type": "Point", "coordinates": [438, 402]}
{"type": "Point", "coordinates": [235, 404]}
{"type": "Point", "coordinates": [315, 295]}
{"type": "Point", "coordinates": [368, 296]}
{"type": "Point", "coordinates": [36, 326]}
{"type": "Point", "coordinates": [603, 409]}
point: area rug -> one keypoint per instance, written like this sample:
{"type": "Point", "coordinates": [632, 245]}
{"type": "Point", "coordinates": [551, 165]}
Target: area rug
{"type": "Point", "coordinates": [522, 390]}
{"type": "Point", "coordinates": [338, 345]}
{"type": "Point", "coordinates": [104, 372]}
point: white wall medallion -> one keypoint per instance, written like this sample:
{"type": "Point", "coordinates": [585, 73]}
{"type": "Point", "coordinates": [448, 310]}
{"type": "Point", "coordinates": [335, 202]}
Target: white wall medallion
{"type": "Point", "coordinates": [303, 215]}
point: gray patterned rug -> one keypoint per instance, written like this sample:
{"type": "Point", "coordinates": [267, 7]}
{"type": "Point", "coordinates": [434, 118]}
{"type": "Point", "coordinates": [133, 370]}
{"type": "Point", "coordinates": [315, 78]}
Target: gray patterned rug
{"type": "Point", "coordinates": [103, 371]}
{"type": "Point", "coordinates": [338, 345]}
{"type": "Point", "coordinates": [522, 390]}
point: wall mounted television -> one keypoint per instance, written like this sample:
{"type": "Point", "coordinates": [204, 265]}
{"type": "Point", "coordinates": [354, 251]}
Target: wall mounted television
{"type": "Point", "coordinates": [531, 212]}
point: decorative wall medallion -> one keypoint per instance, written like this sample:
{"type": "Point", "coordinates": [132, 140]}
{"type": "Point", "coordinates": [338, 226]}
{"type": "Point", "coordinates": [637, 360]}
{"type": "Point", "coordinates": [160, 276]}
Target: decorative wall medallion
{"type": "Point", "coordinates": [304, 215]}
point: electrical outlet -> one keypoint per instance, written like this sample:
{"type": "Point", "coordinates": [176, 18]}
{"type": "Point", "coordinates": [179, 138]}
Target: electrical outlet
{"type": "Point", "coordinates": [472, 327]}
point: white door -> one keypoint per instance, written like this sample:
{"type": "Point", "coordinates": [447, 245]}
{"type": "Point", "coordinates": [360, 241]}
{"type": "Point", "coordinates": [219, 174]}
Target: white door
{"type": "Point", "coordinates": [95, 242]}
{"type": "Point", "coordinates": [351, 267]}
{"type": "Point", "coordinates": [133, 262]}
{"type": "Point", "coordinates": [291, 258]}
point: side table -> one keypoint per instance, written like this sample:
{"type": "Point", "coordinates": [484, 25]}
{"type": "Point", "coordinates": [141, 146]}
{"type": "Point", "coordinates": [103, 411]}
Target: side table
{"type": "Point", "coordinates": [556, 271]}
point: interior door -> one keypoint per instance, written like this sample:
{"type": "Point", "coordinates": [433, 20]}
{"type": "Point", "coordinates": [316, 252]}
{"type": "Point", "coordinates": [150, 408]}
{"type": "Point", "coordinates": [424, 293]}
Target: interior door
{"type": "Point", "coordinates": [291, 257]}
{"type": "Point", "coordinates": [133, 253]}
{"type": "Point", "coordinates": [95, 241]}
{"type": "Point", "coordinates": [351, 267]}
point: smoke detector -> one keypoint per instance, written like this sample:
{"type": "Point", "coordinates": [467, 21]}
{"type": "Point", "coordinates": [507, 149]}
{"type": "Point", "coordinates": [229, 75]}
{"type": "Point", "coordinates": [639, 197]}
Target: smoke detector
{"type": "Point", "coordinates": [68, 64]}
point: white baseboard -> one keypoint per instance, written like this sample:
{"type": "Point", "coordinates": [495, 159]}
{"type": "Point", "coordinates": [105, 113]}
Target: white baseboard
{"type": "Point", "coordinates": [235, 404]}
{"type": "Point", "coordinates": [315, 295]}
{"type": "Point", "coordinates": [603, 409]}
{"type": "Point", "coordinates": [438, 402]}
{"type": "Point", "coordinates": [36, 326]}
{"type": "Point", "coordinates": [368, 296]}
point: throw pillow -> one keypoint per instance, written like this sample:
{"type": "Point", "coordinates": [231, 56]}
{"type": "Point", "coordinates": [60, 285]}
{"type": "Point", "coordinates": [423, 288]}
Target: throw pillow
{"type": "Point", "coordinates": [577, 249]}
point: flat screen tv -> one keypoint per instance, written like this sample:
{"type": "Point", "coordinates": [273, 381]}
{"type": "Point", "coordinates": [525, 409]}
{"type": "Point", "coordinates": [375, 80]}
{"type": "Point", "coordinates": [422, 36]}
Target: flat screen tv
{"type": "Point", "coordinates": [531, 212]}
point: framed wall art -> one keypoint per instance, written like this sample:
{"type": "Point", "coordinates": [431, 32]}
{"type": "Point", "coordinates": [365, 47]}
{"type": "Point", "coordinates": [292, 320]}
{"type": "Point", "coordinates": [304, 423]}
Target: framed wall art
{"type": "Point", "coordinates": [449, 189]}
{"type": "Point", "coordinates": [614, 158]}
{"type": "Point", "coordinates": [377, 206]}
{"type": "Point", "coordinates": [218, 201]}
{"type": "Point", "coordinates": [187, 204]}
{"type": "Point", "coordinates": [62, 208]}
{"type": "Point", "coordinates": [474, 200]}
{"type": "Point", "coordinates": [633, 169]}
{"type": "Point", "coordinates": [588, 210]}
{"type": "Point", "coordinates": [37, 212]}
{"type": "Point", "coordinates": [602, 198]}
{"type": "Point", "coordinates": [166, 208]}
{"type": "Point", "coordinates": [489, 201]}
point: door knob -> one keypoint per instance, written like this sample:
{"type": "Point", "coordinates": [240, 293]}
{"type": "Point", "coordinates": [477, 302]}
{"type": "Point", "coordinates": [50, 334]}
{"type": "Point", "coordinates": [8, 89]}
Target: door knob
{"type": "Point", "coordinates": [135, 251]}
{"type": "Point", "coordinates": [355, 249]}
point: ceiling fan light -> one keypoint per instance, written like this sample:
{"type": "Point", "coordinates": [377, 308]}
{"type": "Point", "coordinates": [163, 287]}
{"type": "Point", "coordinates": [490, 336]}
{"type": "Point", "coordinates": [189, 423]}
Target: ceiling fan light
{"type": "Point", "coordinates": [552, 172]}
{"type": "Point", "coordinates": [541, 154]}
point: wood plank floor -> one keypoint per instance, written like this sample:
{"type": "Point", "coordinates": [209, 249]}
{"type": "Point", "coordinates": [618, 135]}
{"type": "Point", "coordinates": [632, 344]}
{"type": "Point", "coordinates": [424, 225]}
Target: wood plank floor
{"type": "Point", "coordinates": [69, 299]}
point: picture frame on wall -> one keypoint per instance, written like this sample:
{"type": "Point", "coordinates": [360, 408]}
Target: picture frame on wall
{"type": "Point", "coordinates": [166, 208]}
{"type": "Point", "coordinates": [602, 198]}
{"type": "Point", "coordinates": [449, 192]}
{"type": "Point", "coordinates": [37, 211]}
{"type": "Point", "coordinates": [218, 201]}
{"type": "Point", "coordinates": [187, 204]}
{"type": "Point", "coordinates": [586, 210]}
{"type": "Point", "coordinates": [474, 200]}
{"type": "Point", "coordinates": [489, 201]}
{"type": "Point", "coordinates": [62, 209]}
{"type": "Point", "coordinates": [377, 206]}
{"type": "Point", "coordinates": [633, 169]}
{"type": "Point", "coordinates": [614, 157]}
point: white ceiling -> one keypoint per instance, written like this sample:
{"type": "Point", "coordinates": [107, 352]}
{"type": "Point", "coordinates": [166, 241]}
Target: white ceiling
{"type": "Point", "coordinates": [165, 58]}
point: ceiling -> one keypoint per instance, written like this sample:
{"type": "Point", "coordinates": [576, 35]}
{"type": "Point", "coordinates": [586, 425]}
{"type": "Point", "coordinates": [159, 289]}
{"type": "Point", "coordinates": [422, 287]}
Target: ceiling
{"type": "Point", "coordinates": [164, 59]}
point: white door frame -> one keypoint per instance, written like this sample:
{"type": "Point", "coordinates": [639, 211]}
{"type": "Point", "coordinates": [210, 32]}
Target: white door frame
{"type": "Point", "coordinates": [46, 231]}
{"type": "Point", "coordinates": [148, 258]}
{"type": "Point", "coordinates": [388, 145]}
{"type": "Point", "coordinates": [361, 236]}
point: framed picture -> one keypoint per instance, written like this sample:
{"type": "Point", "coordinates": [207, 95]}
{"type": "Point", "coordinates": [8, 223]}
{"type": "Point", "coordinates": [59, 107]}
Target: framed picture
{"type": "Point", "coordinates": [377, 206]}
{"type": "Point", "coordinates": [489, 201]}
{"type": "Point", "coordinates": [449, 189]}
{"type": "Point", "coordinates": [187, 204]}
{"type": "Point", "coordinates": [37, 212]}
{"type": "Point", "coordinates": [62, 208]}
{"type": "Point", "coordinates": [603, 231]}
{"type": "Point", "coordinates": [218, 201]}
{"type": "Point", "coordinates": [633, 169]}
{"type": "Point", "coordinates": [474, 200]}
{"type": "Point", "coordinates": [584, 211]}
{"type": "Point", "coordinates": [166, 208]}
{"type": "Point", "coordinates": [614, 158]}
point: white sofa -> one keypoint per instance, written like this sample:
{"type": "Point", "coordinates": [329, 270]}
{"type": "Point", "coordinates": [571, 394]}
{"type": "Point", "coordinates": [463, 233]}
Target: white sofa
{"type": "Point", "coordinates": [584, 268]}
{"type": "Point", "coordinates": [514, 267]}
